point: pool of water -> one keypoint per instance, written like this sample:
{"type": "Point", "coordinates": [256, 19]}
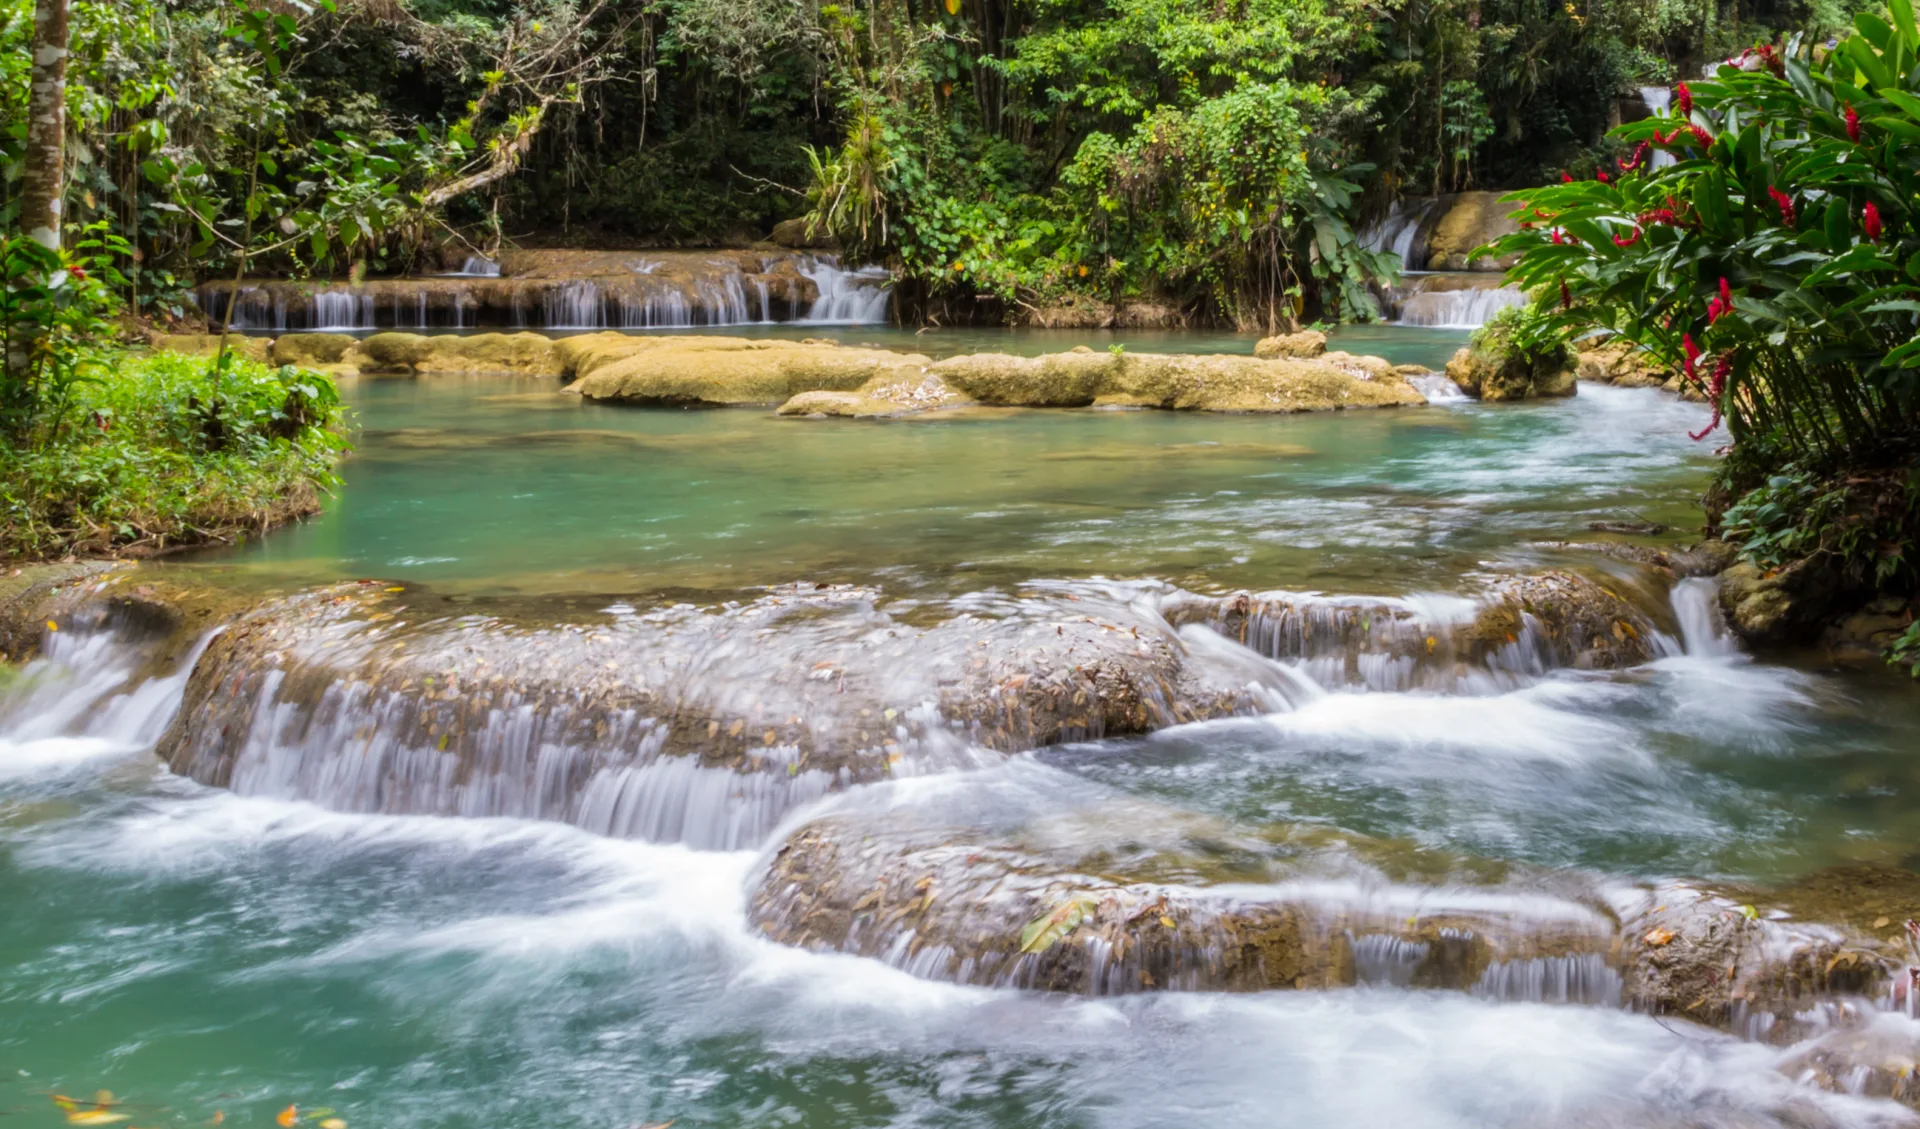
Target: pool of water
{"type": "Point", "coordinates": [215, 958]}
{"type": "Point", "coordinates": [493, 484]}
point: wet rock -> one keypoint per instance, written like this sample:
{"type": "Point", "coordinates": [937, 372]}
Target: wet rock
{"type": "Point", "coordinates": [1875, 1055]}
{"type": "Point", "coordinates": [1491, 375]}
{"type": "Point", "coordinates": [685, 723]}
{"type": "Point", "coordinates": [1306, 343]}
{"type": "Point", "coordinates": [33, 595]}
{"type": "Point", "coordinates": [208, 344]}
{"type": "Point", "coordinates": [1090, 313]}
{"type": "Point", "coordinates": [1467, 221]}
{"type": "Point", "coordinates": [1522, 625]}
{"type": "Point", "coordinates": [1750, 968]}
{"type": "Point", "coordinates": [1021, 910]}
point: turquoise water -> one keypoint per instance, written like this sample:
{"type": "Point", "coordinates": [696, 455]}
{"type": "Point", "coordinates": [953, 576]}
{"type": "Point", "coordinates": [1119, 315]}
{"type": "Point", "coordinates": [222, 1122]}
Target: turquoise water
{"type": "Point", "coordinates": [491, 484]}
{"type": "Point", "coordinates": [206, 955]}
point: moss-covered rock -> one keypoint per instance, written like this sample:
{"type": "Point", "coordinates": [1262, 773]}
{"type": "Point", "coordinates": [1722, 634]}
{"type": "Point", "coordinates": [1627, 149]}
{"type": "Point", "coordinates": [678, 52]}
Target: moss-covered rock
{"type": "Point", "coordinates": [879, 398]}
{"type": "Point", "coordinates": [336, 354]}
{"type": "Point", "coordinates": [1306, 343]}
{"type": "Point", "coordinates": [208, 344]}
{"type": "Point", "coordinates": [1503, 363]}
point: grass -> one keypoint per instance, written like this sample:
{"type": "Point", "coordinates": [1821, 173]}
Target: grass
{"type": "Point", "coordinates": [161, 451]}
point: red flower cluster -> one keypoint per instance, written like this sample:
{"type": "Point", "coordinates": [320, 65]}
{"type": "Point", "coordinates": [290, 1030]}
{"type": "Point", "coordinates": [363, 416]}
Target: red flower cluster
{"type": "Point", "coordinates": [1870, 221]}
{"type": "Point", "coordinates": [1566, 177]}
{"type": "Point", "coordinates": [1716, 386]}
{"type": "Point", "coordinates": [1630, 240]}
{"type": "Point", "coordinates": [1659, 216]}
{"type": "Point", "coordinates": [1853, 124]}
{"type": "Point", "coordinates": [1566, 297]}
{"type": "Point", "coordinates": [1601, 176]}
{"type": "Point", "coordinates": [1689, 131]}
{"type": "Point", "coordinates": [1785, 203]}
{"type": "Point", "coordinates": [1721, 305]}
{"type": "Point", "coordinates": [1684, 99]}
{"type": "Point", "coordinates": [1692, 352]}
{"type": "Point", "coordinates": [1753, 58]}
{"type": "Point", "coordinates": [1639, 154]}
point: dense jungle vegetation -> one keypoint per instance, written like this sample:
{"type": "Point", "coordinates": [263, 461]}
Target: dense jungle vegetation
{"type": "Point", "coordinates": [1217, 155]}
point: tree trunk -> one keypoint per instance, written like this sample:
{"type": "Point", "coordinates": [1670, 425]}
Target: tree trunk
{"type": "Point", "coordinates": [46, 125]}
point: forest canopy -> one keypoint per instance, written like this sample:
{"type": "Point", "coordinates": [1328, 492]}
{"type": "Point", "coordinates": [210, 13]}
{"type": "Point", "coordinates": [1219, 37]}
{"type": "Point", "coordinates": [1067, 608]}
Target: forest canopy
{"type": "Point", "coordinates": [1219, 155]}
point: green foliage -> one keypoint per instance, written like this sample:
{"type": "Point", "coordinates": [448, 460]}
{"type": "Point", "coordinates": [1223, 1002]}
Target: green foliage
{"type": "Point", "coordinates": [1784, 519]}
{"type": "Point", "coordinates": [54, 307]}
{"type": "Point", "coordinates": [1777, 261]}
{"type": "Point", "coordinates": [1528, 339]}
{"type": "Point", "coordinates": [160, 451]}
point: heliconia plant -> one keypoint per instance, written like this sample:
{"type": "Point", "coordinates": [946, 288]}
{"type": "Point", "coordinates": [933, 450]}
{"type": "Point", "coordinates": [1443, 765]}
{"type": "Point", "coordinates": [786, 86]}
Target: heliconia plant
{"type": "Point", "coordinates": [1776, 261]}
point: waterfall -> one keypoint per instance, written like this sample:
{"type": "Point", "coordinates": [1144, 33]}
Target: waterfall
{"type": "Point", "coordinates": [1703, 630]}
{"type": "Point", "coordinates": [1458, 309]}
{"type": "Point", "coordinates": [1397, 231]}
{"type": "Point", "coordinates": [574, 305]}
{"type": "Point", "coordinates": [847, 297]}
{"type": "Point", "coordinates": [1658, 100]}
{"type": "Point", "coordinates": [1437, 388]}
{"type": "Point", "coordinates": [478, 266]}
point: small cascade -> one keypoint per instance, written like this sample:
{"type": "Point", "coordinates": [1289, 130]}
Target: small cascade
{"type": "Point", "coordinates": [478, 266]}
{"type": "Point", "coordinates": [1581, 978]}
{"type": "Point", "coordinates": [857, 297]}
{"type": "Point", "coordinates": [1399, 230]}
{"type": "Point", "coordinates": [573, 305]}
{"type": "Point", "coordinates": [85, 694]}
{"type": "Point", "coordinates": [1438, 389]}
{"type": "Point", "coordinates": [1658, 99]}
{"type": "Point", "coordinates": [1703, 628]}
{"type": "Point", "coordinates": [1458, 309]}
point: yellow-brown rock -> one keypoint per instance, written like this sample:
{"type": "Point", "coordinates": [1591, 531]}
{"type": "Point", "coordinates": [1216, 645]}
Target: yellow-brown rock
{"type": "Point", "coordinates": [1306, 343]}
{"type": "Point", "coordinates": [207, 344]}
{"type": "Point", "coordinates": [1471, 219]}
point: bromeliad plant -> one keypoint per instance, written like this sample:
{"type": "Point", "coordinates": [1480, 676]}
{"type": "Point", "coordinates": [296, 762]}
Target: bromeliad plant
{"type": "Point", "coordinates": [1775, 261]}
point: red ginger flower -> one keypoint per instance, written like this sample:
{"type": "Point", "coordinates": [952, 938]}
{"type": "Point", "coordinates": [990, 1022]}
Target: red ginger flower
{"type": "Point", "coordinates": [1566, 297]}
{"type": "Point", "coordinates": [1853, 124]}
{"type": "Point", "coordinates": [1722, 305]}
{"type": "Point", "coordinates": [1628, 241]}
{"type": "Point", "coordinates": [1716, 386]}
{"type": "Point", "coordinates": [1659, 216]}
{"type": "Point", "coordinates": [1785, 203]}
{"type": "Point", "coordinates": [1684, 98]}
{"type": "Point", "coordinates": [1566, 177]}
{"type": "Point", "coordinates": [1692, 352]}
{"type": "Point", "coordinates": [1601, 176]}
{"type": "Point", "coordinates": [1870, 221]}
{"type": "Point", "coordinates": [1639, 154]}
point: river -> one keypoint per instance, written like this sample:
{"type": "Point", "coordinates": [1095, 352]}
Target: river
{"type": "Point", "coordinates": [216, 955]}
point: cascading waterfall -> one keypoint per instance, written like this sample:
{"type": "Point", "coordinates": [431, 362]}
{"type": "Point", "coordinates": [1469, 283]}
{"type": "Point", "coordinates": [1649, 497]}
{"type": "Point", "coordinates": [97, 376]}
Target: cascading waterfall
{"type": "Point", "coordinates": [857, 297]}
{"type": "Point", "coordinates": [1398, 231]}
{"type": "Point", "coordinates": [1466, 308]}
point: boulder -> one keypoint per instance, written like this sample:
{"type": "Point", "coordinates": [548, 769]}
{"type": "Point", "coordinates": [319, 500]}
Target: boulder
{"type": "Point", "coordinates": [208, 344]}
{"type": "Point", "coordinates": [1193, 383]}
{"type": "Point", "coordinates": [1489, 374]}
{"type": "Point", "coordinates": [526, 354]}
{"type": "Point", "coordinates": [333, 353]}
{"type": "Point", "coordinates": [1084, 312]}
{"type": "Point", "coordinates": [1468, 221]}
{"type": "Point", "coordinates": [1306, 343]}
{"type": "Point", "coordinates": [723, 371]}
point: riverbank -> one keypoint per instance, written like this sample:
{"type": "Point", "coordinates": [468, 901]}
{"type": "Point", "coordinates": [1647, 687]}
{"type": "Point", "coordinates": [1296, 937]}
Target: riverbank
{"type": "Point", "coordinates": [152, 453]}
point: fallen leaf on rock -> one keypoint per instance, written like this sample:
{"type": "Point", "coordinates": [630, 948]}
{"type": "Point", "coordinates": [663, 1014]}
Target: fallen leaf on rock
{"type": "Point", "coordinates": [288, 1116]}
{"type": "Point", "coordinates": [1658, 937]}
{"type": "Point", "coordinates": [1043, 932]}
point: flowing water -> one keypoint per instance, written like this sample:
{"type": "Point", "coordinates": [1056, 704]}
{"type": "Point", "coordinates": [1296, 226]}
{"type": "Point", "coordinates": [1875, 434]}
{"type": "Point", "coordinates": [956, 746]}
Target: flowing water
{"type": "Point", "coordinates": [217, 955]}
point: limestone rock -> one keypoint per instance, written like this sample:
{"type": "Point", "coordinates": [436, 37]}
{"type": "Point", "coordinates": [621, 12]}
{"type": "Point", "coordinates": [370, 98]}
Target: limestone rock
{"type": "Point", "coordinates": [208, 344]}
{"type": "Point", "coordinates": [336, 354]}
{"type": "Point", "coordinates": [1487, 376]}
{"type": "Point", "coordinates": [1193, 383]}
{"type": "Point", "coordinates": [527, 354]}
{"type": "Point", "coordinates": [1306, 343]}
{"type": "Point", "coordinates": [1031, 908]}
{"type": "Point", "coordinates": [721, 370]}
{"type": "Point", "coordinates": [1467, 221]}
{"type": "Point", "coordinates": [877, 398]}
